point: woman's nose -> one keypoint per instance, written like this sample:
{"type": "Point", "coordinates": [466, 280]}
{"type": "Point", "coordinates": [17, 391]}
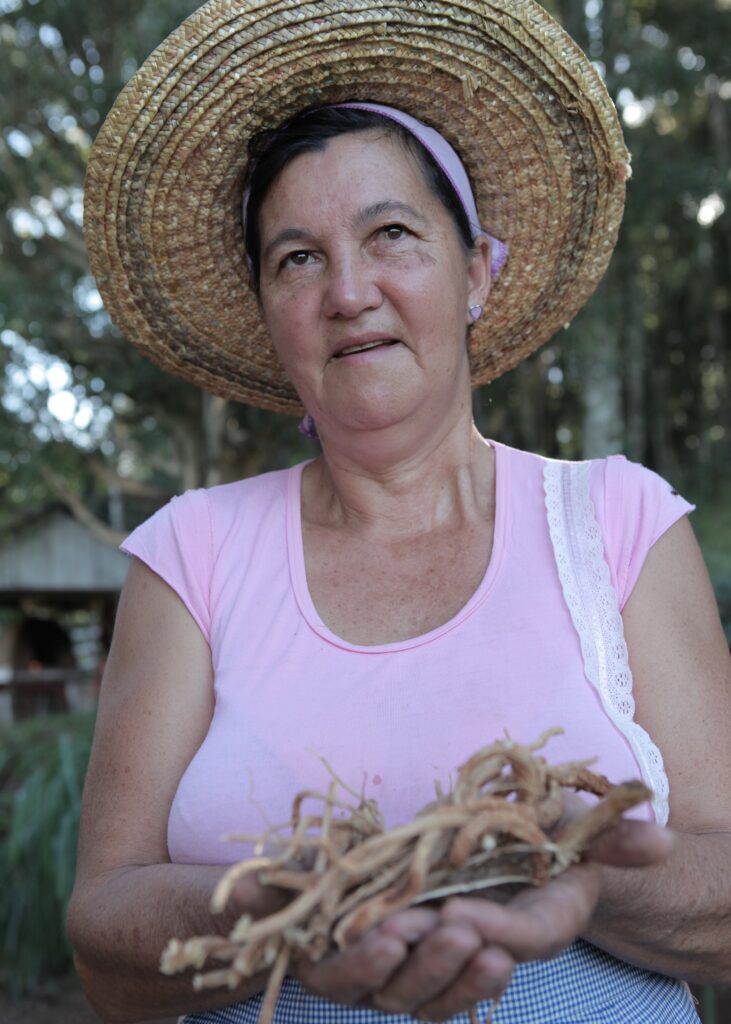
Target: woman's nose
{"type": "Point", "coordinates": [351, 288]}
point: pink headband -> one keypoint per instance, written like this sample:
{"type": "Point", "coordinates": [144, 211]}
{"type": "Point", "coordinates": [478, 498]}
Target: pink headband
{"type": "Point", "coordinates": [449, 163]}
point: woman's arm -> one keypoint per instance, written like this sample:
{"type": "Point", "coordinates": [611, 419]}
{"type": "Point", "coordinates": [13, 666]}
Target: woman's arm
{"type": "Point", "coordinates": [677, 917]}
{"type": "Point", "coordinates": [155, 708]}
{"type": "Point", "coordinates": [128, 901]}
{"type": "Point", "coordinates": [674, 917]}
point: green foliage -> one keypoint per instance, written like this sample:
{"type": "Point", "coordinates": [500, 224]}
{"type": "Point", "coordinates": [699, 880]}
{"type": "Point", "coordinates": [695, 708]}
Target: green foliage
{"type": "Point", "coordinates": [62, 63]}
{"type": "Point", "coordinates": [42, 767]}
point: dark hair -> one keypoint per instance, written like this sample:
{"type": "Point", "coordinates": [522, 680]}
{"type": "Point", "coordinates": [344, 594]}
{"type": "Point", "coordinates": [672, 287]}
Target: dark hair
{"type": "Point", "coordinates": [310, 131]}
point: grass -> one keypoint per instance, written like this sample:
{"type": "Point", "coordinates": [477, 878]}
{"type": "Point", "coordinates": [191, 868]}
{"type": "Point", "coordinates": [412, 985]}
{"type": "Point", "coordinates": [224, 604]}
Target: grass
{"type": "Point", "coordinates": [42, 767]}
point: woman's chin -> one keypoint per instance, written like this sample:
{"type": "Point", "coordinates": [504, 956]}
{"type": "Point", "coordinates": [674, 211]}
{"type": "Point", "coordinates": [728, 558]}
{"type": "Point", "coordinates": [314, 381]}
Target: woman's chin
{"type": "Point", "coordinates": [338, 408]}
{"type": "Point", "coordinates": [370, 413]}
{"type": "Point", "coordinates": [366, 421]}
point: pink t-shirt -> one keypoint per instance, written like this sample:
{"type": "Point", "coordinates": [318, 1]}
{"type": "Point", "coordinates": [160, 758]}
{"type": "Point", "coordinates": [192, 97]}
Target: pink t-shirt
{"type": "Point", "coordinates": [390, 719]}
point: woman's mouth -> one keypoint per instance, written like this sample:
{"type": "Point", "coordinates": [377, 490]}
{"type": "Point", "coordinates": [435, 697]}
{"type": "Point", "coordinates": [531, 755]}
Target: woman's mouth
{"type": "Point", "coordinates": [365, 346]}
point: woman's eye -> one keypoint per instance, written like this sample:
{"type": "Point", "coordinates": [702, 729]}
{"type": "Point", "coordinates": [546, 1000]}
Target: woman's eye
{"type": "Point", "coordinates": [296, 259]}
{"type": "Point", "coordinates": [394, 232]}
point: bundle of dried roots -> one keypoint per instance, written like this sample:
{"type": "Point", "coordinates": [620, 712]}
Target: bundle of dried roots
{"type": "Point", "coordinates": [498, 827]}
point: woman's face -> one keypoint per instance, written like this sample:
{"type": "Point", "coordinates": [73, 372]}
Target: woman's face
{"type": "Point", "coordinates": [365, 286]}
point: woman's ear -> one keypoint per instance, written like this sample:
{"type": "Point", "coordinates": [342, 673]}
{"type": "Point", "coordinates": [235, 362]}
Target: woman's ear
{"type": "Point", "coordinates": [479, 272]}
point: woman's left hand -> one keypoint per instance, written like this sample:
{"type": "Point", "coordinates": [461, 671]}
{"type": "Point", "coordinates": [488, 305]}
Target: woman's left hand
{"type": "Point", "coordinates": [538, 924]}
{"type": "Point", "coordinates": [433, 962]}
{"type": "Point", "coordinates": [470, 953]}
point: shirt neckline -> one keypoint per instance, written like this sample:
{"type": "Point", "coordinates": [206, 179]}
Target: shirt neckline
{"type": "Point", "coordinates": [295, 547]}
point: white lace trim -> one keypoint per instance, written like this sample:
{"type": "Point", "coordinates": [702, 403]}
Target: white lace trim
{"type": "Point", "coordinates": [592, 601]}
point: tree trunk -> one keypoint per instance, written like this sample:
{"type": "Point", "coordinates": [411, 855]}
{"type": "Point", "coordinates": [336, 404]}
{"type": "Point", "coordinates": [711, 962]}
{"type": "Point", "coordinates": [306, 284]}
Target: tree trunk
{"type": "Point", "coordinates": [662, 458]}
{"type": "Point", "coordinates": [603, 422]}
{"type": "Point", "coordinates": [214, 411]}
{"type": "Point", "coordinates": [573, 20]}
{"type": "Point", "coordinates": [635, 369]}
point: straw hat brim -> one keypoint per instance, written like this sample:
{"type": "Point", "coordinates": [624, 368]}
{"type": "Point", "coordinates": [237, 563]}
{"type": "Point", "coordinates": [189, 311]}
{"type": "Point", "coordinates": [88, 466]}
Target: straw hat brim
{"type": "Point", "coordinates": [511, 91]}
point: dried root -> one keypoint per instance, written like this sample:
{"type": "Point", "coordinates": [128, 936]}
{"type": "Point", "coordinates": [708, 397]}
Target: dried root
{"type": "Point", "coordinates": [498, 827]}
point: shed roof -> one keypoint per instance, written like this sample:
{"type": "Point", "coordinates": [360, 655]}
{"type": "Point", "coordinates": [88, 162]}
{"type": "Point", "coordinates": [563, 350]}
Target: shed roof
{"type": "Point", "coordinates": [52, 553]}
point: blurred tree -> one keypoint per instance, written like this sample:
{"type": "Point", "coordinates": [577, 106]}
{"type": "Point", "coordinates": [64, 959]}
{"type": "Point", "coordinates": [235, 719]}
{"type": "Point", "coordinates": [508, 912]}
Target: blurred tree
{"type": "Point", "coordinates": [72, 384]}
{"type": "Point", "coordinates": [644, 368]}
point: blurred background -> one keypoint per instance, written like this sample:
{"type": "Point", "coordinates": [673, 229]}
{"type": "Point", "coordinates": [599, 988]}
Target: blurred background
{"type": "Point", "coordinates": [93, 438]}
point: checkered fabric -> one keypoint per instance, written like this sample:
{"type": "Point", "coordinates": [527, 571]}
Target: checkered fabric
{"type": "Point", "coordinates": [581, 986]}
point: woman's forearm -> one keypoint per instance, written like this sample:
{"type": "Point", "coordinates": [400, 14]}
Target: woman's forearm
{"type": "Point", "coordinates": [119, 926]}
{"type": "Point", "coordinates": [674, 918]}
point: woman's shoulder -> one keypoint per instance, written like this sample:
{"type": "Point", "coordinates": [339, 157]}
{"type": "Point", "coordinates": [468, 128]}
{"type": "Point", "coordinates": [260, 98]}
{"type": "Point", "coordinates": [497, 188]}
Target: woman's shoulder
{"type": "Point", "coordinates": [201, 520]}
{"type": "Point", "coordinates": [632, 505]}
{"type": "Point", "coordinates": [261, 486]}
{"type": "Point", "coordinates": [627, 492]}
{"type": "Point", "coordinates": [184, 540]}
{"type": "Point", "coordinates": [244, 497]}
{"type": "Point", "coordinates": [247, 495]}
{"type": "Point", "coordinates": [614, 478]}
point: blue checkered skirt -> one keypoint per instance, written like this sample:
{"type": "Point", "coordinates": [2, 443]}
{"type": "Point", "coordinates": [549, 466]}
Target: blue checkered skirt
{"type": "Point", "coordinates": [583, 985]}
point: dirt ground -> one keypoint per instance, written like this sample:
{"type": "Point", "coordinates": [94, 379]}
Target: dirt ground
{"type": "Point", "coordinates": [63, 1003]}
{"type": "Point", "coordinates": [56, 1003]}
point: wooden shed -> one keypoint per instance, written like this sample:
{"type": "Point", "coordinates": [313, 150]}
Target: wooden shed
{"type": "Point", "coordinates": [59, 584]}
{"type": "Point", "coordinates": [51, 553]}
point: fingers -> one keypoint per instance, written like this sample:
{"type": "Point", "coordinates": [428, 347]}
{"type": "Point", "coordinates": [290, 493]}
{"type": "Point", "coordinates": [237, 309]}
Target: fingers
{"type": "Point", "coordinates": [435, 964]}
{"type": "Point", "coordinates": [410, 925]}
{"type": "Point", "coordinates": [538, 923]}
{"type": "Point", "coordinates": [486, 976]}
{"type": "Point", "coordinates": [632, 844]}
{"type": "Point", "coordinates": [355, 973]}
{"type": "Point", "coordinates": [444, 961]}
{"type": "Point", "coordinates": [629, 843]}
{"type": "Point", "coordinates": [446, 970]}
{"type": "Point", "coordinates": [441, 962]}
{"type": "Point", "coordinates": [363, 968]}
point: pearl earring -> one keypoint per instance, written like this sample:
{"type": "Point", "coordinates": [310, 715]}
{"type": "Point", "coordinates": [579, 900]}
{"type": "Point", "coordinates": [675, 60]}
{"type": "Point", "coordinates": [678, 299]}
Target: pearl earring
{"type": "Point", "coordinates": [475, 312]}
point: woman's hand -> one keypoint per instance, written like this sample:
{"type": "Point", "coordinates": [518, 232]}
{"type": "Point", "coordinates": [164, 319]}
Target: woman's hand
{"type": "Point", "coordinates": [364, 968]}
{"type": "Point", "coordinates": [409, 961]}
{"type": "Point", "coordinates": [436, 962]}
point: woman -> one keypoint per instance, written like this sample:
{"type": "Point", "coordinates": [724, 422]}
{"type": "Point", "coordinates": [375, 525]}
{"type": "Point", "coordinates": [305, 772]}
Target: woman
{"type": "Point", "coordinates": [405, 596]}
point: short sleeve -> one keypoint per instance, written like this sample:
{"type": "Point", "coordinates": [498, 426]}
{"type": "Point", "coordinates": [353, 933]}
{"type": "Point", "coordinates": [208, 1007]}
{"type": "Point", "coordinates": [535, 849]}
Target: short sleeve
{"type": "Point", "coordinates": [176, 543]}
{"type": "Point", "coordinates": [635, 507]}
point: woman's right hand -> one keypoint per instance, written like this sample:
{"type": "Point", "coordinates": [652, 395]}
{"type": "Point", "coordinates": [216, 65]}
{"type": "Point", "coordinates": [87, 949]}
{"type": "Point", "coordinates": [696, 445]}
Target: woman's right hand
{"type": "Point", "coordinates": [408, 961]}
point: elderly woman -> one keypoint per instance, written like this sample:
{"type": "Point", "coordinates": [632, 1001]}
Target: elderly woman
{"type": "Point", "coordinates": [398, 601]}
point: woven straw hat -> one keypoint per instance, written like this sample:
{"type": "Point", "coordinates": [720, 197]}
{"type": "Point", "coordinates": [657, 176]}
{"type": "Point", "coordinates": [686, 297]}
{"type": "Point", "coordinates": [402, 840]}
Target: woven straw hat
{"type": "Point", "coordinates": [499, 79]}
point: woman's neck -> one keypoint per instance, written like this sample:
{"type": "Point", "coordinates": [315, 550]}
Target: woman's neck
{"type": "Point", "coordinates": [387, 488]}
